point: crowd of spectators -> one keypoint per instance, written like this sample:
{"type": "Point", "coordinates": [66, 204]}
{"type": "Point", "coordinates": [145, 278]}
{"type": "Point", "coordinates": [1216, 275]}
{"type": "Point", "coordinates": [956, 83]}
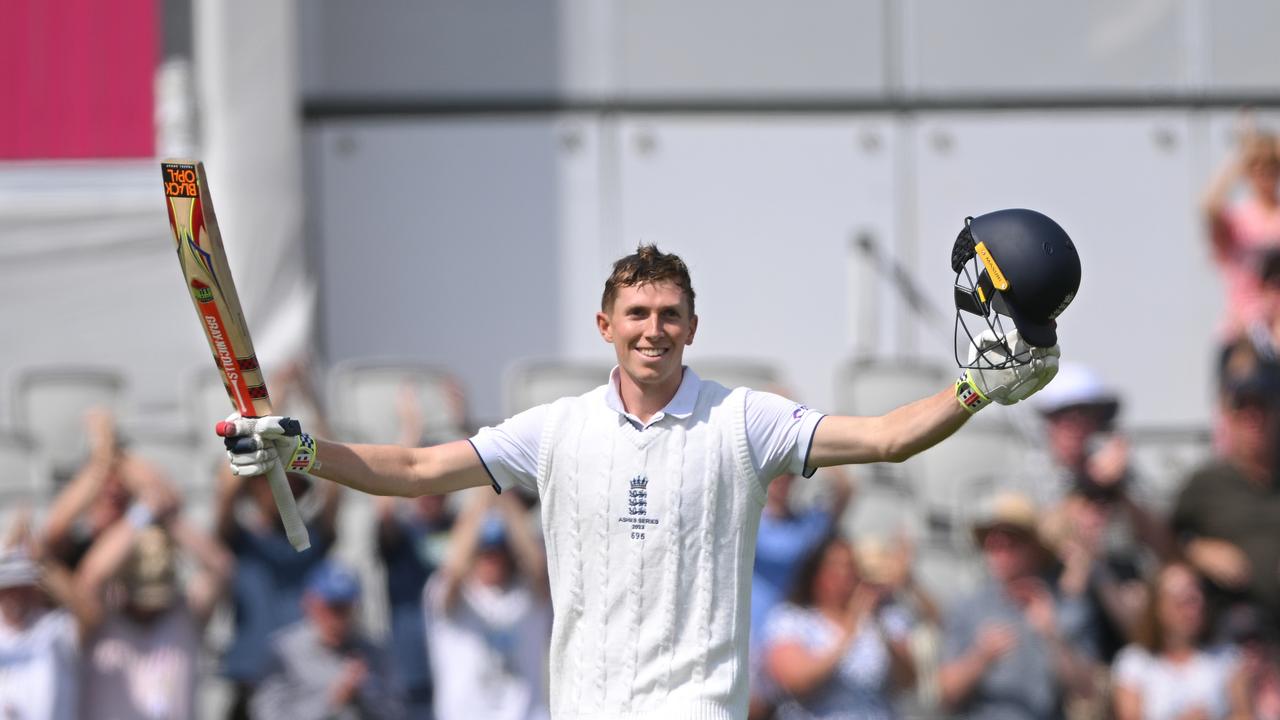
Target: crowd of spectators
{"type": "Point", "coordinates": [1097, 599]}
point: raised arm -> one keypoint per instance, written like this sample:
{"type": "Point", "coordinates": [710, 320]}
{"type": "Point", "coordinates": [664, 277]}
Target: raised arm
{"type": "Point", "coordinates": [527, 550]}
{"type": "Point", "coordinates": [215, 566]}
{"type": "Point", "coordinates": [89, 480]}
{"type": "Point", "coordinates": [462, 548]}
{"type": "Point", "coordinates": [257, 443]}
{"type": "Point", "coordinates": [893, 437]}
{"type": "Point", "coordinates": [102, 563]}
{"type": "Point", "coordinates": [405, 472]}
{"type": "Point", "coordinates": [918, 426]}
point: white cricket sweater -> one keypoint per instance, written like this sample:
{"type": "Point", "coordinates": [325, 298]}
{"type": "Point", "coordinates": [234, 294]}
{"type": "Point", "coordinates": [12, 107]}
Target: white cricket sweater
{"type": "Point", "coordinates": [651, 585]}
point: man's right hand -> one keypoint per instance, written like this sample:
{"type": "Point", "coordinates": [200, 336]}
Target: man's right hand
{"type": "Point", "coordinates": [255, 444]}
{"type": "Point", "coordinates": [1222, 562]}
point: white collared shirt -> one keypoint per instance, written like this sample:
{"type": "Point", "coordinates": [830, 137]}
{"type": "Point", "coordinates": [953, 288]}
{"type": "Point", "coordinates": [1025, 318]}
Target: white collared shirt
{"type": "Point", "coordinates": [779, 432]}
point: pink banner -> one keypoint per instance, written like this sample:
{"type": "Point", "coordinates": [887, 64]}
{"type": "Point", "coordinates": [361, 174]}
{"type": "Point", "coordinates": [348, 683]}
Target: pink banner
{"type": "Point", "coordinates": [76, 78]}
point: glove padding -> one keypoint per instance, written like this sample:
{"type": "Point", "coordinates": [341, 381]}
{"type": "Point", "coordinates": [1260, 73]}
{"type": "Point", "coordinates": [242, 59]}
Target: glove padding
{"type": "Point", "coordinates": [1009, 385]}
{"type": "Point", "coordinates": [255, 444]}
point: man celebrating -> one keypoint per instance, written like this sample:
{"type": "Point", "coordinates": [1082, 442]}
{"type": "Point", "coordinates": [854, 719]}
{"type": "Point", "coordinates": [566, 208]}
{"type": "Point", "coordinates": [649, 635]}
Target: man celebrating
{"type": "Point", "coordinates": [652, 485]}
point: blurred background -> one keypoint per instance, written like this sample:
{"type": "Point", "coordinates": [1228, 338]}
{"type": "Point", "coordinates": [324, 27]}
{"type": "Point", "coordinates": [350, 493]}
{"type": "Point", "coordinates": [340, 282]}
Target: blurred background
{"type": "Point", "coordinates": [421, 199]}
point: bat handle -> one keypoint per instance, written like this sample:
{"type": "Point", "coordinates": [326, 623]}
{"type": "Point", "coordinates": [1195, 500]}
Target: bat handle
{"type": "Point", "coordinates": [288, 508]}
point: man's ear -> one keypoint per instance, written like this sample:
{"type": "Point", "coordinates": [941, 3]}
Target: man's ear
{"type": "Point", "coordinates": [605, 328]}
{"type": "Point", "coordinates": [693, 329]}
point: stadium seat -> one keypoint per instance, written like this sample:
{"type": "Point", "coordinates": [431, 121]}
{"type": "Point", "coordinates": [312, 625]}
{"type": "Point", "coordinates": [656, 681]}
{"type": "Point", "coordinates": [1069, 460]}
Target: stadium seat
{"type": "Point", "coordinates": [177, 455]}
{"type": "Point", "coordinates": [958, 473]}
{"type": "Point", "coordinates": [364, 397]}
{"type": "Point", "coordinates": [874, 387]}
{"type": "Point", "coordinates": [204, 402]}
{"type": "Point", "coordinates": [738, 373]}
{"type": "Point", "coordinates": [19, 482]}
{"type": "Point", "coordinates": [357, 547]}
{"type": "Point", "coordinates": [535, 382]}
{"type": "Point", "coordinates": [881, 508]}
{"type": "Point", "coordinates": [947, 571]}
{"type": "Point", "coordinates": [1162, 460]}
{"type": "Point", "coordinates": [50, 405]}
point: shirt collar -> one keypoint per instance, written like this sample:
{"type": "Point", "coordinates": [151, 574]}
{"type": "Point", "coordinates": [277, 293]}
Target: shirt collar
{"type": "Point", "coordinates": [680, 406]}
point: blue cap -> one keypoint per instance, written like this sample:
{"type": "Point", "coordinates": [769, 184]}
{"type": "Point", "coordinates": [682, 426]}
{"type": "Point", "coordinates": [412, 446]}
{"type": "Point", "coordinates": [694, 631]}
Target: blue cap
{"type": "Point", "coordinates": [334, 583]}
{"type": "Point", "coordinates": [493, 531]}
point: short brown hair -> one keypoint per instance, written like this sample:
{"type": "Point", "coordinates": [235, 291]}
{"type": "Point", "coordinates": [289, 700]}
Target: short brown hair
{"type": "Point", "coordinates": [646, 266]}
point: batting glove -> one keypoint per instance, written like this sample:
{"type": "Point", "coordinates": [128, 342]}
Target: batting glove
{"type": "Point", "coordinates": [255, 444]}
{"type": "Point", "coordinates": [978, 388]}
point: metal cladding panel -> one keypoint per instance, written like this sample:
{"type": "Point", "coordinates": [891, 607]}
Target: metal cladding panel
{"type": "Point", "coordinates": [417, 49]}
{"type": "Point", "coordinates": [1123, 185]}
{"type": "Point", "coordinates": [1241, 38]}
{"type": "Point", "coordinates": [752, 48]}
{"type": "Point", "coordinates": [1043, 47]}
{"type": "Point", "coordinates": [439, 243]}
{"type": "Point", "coordinates": [765, 211]}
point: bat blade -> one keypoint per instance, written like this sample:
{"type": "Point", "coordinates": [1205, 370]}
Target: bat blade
{"type": "Point", "coordinates": [198, 242]}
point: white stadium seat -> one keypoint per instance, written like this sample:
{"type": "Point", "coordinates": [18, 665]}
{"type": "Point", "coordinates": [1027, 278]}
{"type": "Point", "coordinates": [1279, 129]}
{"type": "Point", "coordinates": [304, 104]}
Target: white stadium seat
{"type": "Point", "coordinates": [1162, 460]}
{"type": "Point", "coordinates": [19, 479]}
{"type": "Point", "coordinates": [365, 396]}
{"type": "Point", "coordinates": [50, 405]}
{"type": "Point", "coordinates": [874, 387]}
{"type": "Point", "coordinates": [535, 382]}
{"type": "Point", "coordinates": [961, 471]}
{"type": "Point", "coordinates": [733, 373]}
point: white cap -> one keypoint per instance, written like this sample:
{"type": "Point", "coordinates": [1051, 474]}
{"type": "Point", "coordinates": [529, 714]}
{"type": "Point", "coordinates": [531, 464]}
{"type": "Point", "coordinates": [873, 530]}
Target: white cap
{"type": "Point", "coordinates": [17, 570]}
{"type": "Point", "coordinates": [1075, 385]}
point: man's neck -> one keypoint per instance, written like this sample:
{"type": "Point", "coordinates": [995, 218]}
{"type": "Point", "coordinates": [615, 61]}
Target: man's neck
{"type": "Point", "coordinates": [1257, 471]}
{"type": "Point", "coordinates": [645, 401]}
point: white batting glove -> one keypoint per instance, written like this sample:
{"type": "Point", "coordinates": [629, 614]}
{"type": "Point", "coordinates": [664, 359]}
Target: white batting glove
{"type": "Point", "coordinates": [255, 444]}
{"type": "Point", "coordinates": [978, 388]}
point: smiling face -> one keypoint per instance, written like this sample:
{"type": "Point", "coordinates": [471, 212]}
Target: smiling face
{"type": "Point", "coordinates": [649, 326]}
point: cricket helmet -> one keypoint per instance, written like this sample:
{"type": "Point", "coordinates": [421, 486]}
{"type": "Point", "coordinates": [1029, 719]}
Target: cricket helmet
{"type": "Point", "coordinates": [1012, 266]}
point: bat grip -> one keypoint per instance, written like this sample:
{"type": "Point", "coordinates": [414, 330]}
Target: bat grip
{"type": "Point", "coordinates": [288, 508]}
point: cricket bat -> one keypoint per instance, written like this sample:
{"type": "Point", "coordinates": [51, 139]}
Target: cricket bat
{"type": "Point", "coordinates": [208, 277]}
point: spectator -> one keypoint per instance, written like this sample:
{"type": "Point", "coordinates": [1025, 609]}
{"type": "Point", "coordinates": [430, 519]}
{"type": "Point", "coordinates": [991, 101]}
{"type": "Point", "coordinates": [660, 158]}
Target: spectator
{"type": "Point", "coordinates": [142, 656]}
{"type": "Point", "coordinates": [1264, 331]}
{"type": "Point", "coordinates": [1100, 522]}
{"type": "Point", "coordinates": [1259, 678]}
{"type": "Point", "coordinates": [412, 534]}
{"type": "Point", "coordinates": [835, 650]}
{"type": "Point", "coordinates": [266, 590]}
{"type": "Point", "coordinates": [1107, 576]}
{"type": "Point", "coordinates": [1239, 231]}
{"type": "Point", "coordinates": [1168, 673]}
{"type": "Point", "coordinates": [99, 493]}
{"type": "Point", "coordinates": [889, 566]}
{"type": "Point", "coordinates": [39, 644]}
{"type": "Point", "coordinates": [1014, 649]}
{"type": "Point", "coordinates": [784, 539]}
{"type": "Point", "coordinates": [322, 667]}
{"type": "Point", "coordinates": [1228, 513]}
{"type": "Point", "coordinates": [489, 616]}
{"type": "Point", "coordinates": [1088, 453]}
